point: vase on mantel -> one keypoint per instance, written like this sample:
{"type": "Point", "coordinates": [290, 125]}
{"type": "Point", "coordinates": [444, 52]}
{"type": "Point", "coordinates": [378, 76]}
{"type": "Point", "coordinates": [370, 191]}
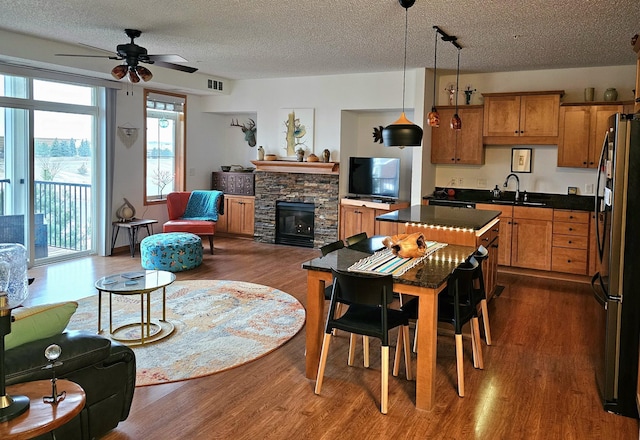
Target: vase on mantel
{"type": "Point", "coordinates": [611, 94]}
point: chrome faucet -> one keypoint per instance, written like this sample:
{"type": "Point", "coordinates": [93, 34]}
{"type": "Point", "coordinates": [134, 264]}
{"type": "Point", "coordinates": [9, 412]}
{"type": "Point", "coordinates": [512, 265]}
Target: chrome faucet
{"type": "Point", "coordinates": [506, 182]}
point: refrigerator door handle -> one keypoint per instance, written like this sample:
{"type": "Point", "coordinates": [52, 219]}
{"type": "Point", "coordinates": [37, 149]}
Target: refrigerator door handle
{"type": "Point", "coordinates": [601, 165]}
{"type": "Point", "coordinates": [601, 298]}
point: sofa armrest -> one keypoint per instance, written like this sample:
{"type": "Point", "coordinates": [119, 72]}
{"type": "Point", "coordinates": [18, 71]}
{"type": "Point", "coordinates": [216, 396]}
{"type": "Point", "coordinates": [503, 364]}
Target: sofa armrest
{"type": "Point", "coordinates": [79, 349]}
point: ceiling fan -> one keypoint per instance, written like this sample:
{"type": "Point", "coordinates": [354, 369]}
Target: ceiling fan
{"type": "Point", "coordinates": [132, 54]}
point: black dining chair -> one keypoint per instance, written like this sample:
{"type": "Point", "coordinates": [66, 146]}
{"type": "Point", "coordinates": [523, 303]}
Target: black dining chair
{"type": "Point", "coordinates": [457, 306]}
{"type": "Point", "coordinates": [325, 250]}
{"type": "Point", "coordinates": [368, 297]}
{"type": "Point", "coordinates": [481, 254]}
{"type": "Point", "coordinates": [356, 238]}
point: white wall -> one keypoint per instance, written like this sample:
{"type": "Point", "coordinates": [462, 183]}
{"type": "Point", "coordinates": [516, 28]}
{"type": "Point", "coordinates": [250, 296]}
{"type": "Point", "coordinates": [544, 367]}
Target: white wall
{"type": "Point", "coordinates": [545, 176]}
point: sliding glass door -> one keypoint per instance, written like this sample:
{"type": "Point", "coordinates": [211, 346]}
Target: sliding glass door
{"type": "Point", "coordinates": [47, 183]}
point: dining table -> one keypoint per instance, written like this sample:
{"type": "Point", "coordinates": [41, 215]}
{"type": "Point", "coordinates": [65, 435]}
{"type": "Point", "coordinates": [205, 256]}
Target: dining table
{"type": "Point", "coordinates": [425, 280]}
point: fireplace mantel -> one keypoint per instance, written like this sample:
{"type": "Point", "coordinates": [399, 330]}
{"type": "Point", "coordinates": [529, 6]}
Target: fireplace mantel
{"type": "Point", "coordinates": [290, 166]}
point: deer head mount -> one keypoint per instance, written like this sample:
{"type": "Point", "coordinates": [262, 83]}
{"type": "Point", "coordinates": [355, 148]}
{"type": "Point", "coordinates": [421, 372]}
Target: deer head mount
{"type": "Point", "coordinates": [249, 131]}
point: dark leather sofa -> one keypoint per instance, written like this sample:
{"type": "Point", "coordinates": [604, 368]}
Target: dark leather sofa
{"type": "Point", "coordinates": [106, 371]}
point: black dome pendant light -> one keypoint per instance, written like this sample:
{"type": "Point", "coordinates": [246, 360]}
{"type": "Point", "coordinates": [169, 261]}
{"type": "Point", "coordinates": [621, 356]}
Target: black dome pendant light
{"type": "Point", "coordinates": [403, 133]}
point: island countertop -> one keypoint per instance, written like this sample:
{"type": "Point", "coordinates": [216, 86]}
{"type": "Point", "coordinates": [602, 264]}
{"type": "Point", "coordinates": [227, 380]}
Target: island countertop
{"type": "Point", "coordinates": [445, 216]}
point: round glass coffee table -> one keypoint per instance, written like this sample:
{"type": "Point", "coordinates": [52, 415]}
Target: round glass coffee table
{"type": "Point", "coordinates": [141, 283]}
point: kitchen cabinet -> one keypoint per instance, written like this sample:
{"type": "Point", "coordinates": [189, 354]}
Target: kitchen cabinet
{"type": "Point", "coordinates": [524, 118]}
{"type": "Point", "coordinates": [503, 257]}
{"type": "Point", "coordinates": [531, 238]}
{"type": "Point", "coordinates": [458, 146]}
{"type": "Point", "coordinates": [238, 215]}
{"type": "Point", "coordinates": [581, 133]}
{"type": "Point", "coordinates": [359, 215]}
{"type": "Point", "coordinates": [570, 241]}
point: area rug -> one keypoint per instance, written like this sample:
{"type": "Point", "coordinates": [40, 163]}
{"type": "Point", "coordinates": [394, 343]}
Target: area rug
{"type": "Point", "coordinates": [218, 325]}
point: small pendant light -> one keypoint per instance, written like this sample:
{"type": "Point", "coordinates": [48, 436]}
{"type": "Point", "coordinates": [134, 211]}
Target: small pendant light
{"type": "Point", "coordinates": [403, 133]}
{"type": "Point", "coordinates": [456, 122]}
{"type": "Point", "coordinates": [434, 117]}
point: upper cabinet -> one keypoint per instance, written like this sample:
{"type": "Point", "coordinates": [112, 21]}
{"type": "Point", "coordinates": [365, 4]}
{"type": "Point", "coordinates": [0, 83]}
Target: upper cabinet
{"type": "Point", "coordinates": [524, 118]}
{"type": "Point", "coordinates": [458, 146]}
{"type": "Point", "coordinates": [582, 131]}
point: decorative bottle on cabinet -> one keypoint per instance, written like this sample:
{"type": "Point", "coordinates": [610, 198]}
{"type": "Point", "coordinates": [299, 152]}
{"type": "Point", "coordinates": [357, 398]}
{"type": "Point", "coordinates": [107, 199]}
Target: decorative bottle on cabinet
{"type": "Point", "coordinates": [260, 153]}
{"type": "Point", "coordinates": [610, 94]}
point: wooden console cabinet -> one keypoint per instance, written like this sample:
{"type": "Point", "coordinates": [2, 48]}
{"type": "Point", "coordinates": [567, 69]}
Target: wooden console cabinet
{"type": "Point", "coordinates": [359, 215]}
{"type": "Point", "coordinates": [238, 215]}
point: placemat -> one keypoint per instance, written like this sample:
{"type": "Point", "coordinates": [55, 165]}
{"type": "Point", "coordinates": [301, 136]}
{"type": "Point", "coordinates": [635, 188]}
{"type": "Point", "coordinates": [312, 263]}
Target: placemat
{"type": "Point", "coordinates": [385, 262]}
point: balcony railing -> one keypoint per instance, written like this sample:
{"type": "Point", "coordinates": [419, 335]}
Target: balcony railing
{"type": "Point", "coordinates": [62, 217]}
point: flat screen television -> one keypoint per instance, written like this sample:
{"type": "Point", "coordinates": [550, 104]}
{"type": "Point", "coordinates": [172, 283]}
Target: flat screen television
{"type": "Point", "coordinates": [375, 177]}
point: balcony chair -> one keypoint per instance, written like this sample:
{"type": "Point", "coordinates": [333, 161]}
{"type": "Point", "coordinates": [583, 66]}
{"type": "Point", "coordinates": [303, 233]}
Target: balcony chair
{"type": "Point", "coordinates": [195, 212]}
{"type": "Point", "coordinates": [456, 306]}
{"type": "Point", "coordinates": [368, 297]}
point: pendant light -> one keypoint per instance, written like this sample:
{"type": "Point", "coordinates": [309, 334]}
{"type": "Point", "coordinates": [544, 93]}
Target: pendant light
{"type": "Point", "coordinates": [456, 122]}
{"type": "Point", "coordinates": [403, 133]}
{"type": "Point", "coordinates": [434, 117]}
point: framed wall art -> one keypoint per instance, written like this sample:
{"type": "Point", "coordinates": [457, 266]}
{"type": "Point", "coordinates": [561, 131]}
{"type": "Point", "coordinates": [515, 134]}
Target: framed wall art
{"type": "Point", "coordinates": [296, 130]}
{"type": "Point", "coordinates": [521, 160]}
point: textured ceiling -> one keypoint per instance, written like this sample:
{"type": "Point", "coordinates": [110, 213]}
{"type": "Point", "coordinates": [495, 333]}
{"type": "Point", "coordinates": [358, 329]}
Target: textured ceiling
{"type": "Point", "coordinates": [247, 39]}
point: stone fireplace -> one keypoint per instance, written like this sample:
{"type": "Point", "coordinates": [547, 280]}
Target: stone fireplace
{"type": "Point", "coordinates": [320, 190]}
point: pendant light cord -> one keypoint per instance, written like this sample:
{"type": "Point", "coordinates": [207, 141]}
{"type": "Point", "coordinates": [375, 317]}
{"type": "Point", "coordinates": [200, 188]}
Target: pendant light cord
{"type": "Point", "coordinates": [404, 68]}
{"type": "Point", "coordinates": [457, 80]}
{"type": "Point", "coordinates": [435, 64]}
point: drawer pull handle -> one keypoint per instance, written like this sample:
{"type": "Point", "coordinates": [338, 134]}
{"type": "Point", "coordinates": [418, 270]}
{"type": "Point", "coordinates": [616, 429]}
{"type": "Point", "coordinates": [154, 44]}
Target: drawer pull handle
{"type": "Point", "coordinates": [568, 261]}
{"type": "Point", "coordinates": [485, 239]}
{"type": "Point", "coordinates": [571, 229]}
{"type": "Point", "coordinates": [569, 241]}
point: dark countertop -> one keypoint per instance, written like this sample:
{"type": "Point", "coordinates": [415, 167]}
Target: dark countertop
{"type": "Point", "coordinates": [557, 201]}
{"type": "Point", "coordinates": [441, 216]}
{"type": "Point", "coordinates": [431, 273]}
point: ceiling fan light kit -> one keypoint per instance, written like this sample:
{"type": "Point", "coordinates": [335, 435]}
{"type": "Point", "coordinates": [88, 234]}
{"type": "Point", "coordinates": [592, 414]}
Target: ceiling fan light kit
{"type": "Point", "coordinates": [403, 133]}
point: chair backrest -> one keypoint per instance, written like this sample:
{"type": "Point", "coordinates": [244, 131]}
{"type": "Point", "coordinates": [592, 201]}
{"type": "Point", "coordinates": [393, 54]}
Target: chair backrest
{"type": "Point", "coordinates": [177, 203]}
{"type": "Point", "coordinates": [363, 289]}
{"type": "Point", "coordinates": [481, 254]}
{"type": "Point", "coordinates": [328, 248]}
{"type": "Point", "coordinates": [460, 283]}
{"type": "Point", "coordinates": [356, 238]}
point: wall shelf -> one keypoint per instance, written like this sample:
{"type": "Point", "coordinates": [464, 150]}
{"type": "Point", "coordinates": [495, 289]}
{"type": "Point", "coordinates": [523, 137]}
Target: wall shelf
{"type": "Point", "coordinates": [290, 166]}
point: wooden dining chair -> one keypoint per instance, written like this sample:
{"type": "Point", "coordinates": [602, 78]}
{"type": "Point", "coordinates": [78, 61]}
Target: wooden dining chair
{"type": "Point", "coordinates": [368, 314]}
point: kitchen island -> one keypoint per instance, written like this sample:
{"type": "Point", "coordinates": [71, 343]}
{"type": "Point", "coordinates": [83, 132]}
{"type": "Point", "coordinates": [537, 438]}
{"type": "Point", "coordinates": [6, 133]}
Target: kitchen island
{"type": "Point", "coordinates": [460, 226]}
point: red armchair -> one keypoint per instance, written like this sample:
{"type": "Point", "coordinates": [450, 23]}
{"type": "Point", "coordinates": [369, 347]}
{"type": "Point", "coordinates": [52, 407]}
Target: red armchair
{"type": "Point", "coordinates": [176, 205]}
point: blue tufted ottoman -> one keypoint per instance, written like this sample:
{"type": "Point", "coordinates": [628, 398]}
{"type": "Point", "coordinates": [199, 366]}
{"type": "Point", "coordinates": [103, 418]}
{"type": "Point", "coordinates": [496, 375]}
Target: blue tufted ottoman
{"type": "Point", "coordinates": [172, 251]}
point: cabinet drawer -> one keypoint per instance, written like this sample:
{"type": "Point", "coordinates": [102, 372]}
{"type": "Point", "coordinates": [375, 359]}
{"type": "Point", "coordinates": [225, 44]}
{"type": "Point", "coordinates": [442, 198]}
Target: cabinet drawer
{"type": "Point", "coordinates": [484, 239]}
{"type": "Point", "coordinates": [569, 260]}
{"type": "Point", "coordinates": [505, 210]}
{"type": "Point", "coordinates": [532, 213]}
{"type": "Point", "coordinates": [570, 241]}
{"type": "Point", "coordinates": [570, 216]}
{"type": "Point", "coordinates": [567, 228]}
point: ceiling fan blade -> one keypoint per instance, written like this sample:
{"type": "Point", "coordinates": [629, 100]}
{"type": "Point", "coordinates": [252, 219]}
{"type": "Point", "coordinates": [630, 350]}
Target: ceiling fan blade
{"type": "Point", "coordinates": [175, 66]}
{"type": "Point", "coordinates": [167, 58]}
{"type": "Point", "coordinates": [112, 57]}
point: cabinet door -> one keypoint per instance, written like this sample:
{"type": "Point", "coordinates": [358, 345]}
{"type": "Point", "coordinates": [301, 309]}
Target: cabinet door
{"type": "Point", "coordinates": [504, 240]}
{"type": "Point", "coordinates": [575, 133]}
{"type": "Point", "coordinates": [221, 224]}
{"type": "Point", "coordinates": [240, 215]}
{"type": "Point", "coordinates": [356, 219]}
{"type": "Point", "coordinates": [443, 139]}
{"type": "Point", "coordinates": [599, 126]}
{"type": "Point", "coordinates": [531, 244]}
{"type": "Point", "coordinates": [539, 115]}
{"type": "Point", "coordinates": [502, 116]}
{"type": "Point", "coordinates": [469, 148]}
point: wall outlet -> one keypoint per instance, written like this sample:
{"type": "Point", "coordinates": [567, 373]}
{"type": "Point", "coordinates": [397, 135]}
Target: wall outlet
{"type": "Point", "coordinates": [588, 188]}
{"type": "Point", "coordinates": [482, 183]}
{"type": "Point", "coordinates": [453, 181]}
{"type": "Point", "coordinates": [460, 181]}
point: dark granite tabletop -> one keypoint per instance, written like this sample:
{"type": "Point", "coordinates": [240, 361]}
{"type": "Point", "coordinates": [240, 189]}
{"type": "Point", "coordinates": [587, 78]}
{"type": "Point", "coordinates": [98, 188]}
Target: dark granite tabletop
{"type": "Point", "coordinates": [441, 216]}
{"type": "Point", "coordinates": [431, 273]}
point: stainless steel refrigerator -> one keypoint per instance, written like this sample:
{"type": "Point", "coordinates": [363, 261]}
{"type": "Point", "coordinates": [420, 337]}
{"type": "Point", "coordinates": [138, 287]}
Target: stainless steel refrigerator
{"type": "Point", "coordinates": [616, 285]}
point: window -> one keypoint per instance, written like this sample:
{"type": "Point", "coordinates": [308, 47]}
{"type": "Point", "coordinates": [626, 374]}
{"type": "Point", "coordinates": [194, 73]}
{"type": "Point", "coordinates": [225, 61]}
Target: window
{"type": "Point", "coordinates": [164, 151]}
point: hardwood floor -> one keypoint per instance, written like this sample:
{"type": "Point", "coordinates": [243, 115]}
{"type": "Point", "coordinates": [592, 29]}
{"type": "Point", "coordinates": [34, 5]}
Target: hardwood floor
{"type": "Point", "coordinates": [538, 381]}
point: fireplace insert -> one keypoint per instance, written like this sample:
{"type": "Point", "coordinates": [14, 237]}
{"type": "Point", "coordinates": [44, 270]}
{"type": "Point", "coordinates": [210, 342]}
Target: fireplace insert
{"type": "Point", "coordinates": [294, 223]}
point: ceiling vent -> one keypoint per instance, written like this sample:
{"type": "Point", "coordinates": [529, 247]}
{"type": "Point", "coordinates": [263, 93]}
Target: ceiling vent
{"type": "Point", "coordinates": [214, 84]}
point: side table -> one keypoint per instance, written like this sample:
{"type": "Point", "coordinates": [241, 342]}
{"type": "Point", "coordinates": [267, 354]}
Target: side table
{"type": "Point", "coordinates": [133, 226]}
{"type": "Point", "coordinates": [42, 417]}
